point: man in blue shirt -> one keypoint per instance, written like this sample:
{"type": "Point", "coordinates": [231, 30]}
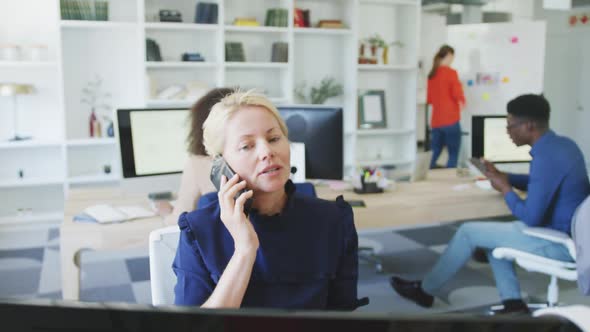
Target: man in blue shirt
{"type": "Point", "coordinates": [557, 184]}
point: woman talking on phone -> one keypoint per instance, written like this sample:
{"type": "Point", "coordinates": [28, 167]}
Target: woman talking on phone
{"type": "Point", "coordinates": [445, 94]}
{"type": "Point", "coordinates": [286, 250]}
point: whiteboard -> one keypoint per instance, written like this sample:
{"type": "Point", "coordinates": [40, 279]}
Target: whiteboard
{"type": "Point", "coordinates": [497, 62]}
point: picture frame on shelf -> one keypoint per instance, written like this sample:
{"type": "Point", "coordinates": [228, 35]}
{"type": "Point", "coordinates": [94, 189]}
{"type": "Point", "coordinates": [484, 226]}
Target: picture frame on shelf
{"type": "Point", "coordinates": [371, 109]}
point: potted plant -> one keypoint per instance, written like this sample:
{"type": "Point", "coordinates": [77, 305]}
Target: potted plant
{"type": "Point", "coordinates": [380, 48]}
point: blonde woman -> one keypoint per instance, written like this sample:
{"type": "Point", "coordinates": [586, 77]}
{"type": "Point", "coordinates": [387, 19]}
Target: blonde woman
{"type": "Point", "coordinates": [290, 251]}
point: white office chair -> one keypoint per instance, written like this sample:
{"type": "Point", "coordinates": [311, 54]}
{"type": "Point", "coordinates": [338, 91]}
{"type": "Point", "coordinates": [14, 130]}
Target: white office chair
{"type": "Point", "coordinates": [577, 314]}
{"type": "Point", "coordinates": [163, 244]}
{"type": "Point", "coordinates": [556, 269]}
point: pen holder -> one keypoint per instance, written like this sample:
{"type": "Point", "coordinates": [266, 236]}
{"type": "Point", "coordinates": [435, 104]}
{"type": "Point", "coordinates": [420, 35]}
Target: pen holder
{"type": "Point", "coordinates": [368, 187]}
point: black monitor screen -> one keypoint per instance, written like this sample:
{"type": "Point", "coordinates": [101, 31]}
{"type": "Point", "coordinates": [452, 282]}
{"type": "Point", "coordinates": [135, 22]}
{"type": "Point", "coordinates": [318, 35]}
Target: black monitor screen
{"type": "Point", "coordinates": [152, 141]}
{"type": "Point", "coordinates": [489, 139]}
{"type": "Point", "coordinates": [320, 129]}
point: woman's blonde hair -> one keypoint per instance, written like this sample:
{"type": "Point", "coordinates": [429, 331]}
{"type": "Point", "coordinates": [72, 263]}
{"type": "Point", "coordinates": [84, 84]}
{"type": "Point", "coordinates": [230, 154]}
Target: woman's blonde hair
{"type": "Point", "coordinates": [213, 127]}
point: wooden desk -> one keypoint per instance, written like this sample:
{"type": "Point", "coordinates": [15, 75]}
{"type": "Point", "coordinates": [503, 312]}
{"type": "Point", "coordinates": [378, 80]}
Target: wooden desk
{"type": "Point", "coordinates": [442, 198]}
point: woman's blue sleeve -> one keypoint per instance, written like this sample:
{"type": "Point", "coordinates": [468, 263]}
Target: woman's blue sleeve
{"type": "Point", "coordinates": [343, 288]}
{"type": "Point", "coordinates": [193, 281]}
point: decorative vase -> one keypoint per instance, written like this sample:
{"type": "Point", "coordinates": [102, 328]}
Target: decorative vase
{"type": "Point", "coordinates": [385, 56]}
{"type": "Point", "coordinates": [92, 123]}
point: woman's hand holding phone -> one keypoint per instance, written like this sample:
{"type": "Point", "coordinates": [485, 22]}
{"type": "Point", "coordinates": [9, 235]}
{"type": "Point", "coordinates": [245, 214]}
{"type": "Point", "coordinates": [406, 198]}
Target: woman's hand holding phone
{"type": "Point", "coordinates": [233, 216]}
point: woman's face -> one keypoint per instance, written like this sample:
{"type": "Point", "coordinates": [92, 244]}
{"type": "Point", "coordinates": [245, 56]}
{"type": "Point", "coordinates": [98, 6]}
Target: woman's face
{"type": "Point", "coordinates": [448, 59]}
{"type": "Point", "coordinates": [257, 150]}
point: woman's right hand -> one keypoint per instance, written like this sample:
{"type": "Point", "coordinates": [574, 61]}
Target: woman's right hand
{"type": "Point", "coordinates": [233, 216]}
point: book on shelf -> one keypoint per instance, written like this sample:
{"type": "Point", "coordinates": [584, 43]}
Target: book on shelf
{"type": "Point", "coordinates": [280, 52]}
{"type": "Point", "coordinates": [301, 18]}
{"type": "Point", "coordinates": [234, 52]}
{"type": "Point", "coordinates": [246, 21]}
{"type": "Point", "coordinates": [86, 10]}
{"type": "Point", "coordinates": [206, 13]}
{"type": "Point", "coordinates": [276, 17]}
{"type": "Point", "coordinates": [330, 24]}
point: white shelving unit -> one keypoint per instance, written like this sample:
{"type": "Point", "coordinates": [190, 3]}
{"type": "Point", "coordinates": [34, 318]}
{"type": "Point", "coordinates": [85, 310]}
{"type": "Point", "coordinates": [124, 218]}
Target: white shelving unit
{"type": "Point", "coordinates": [62, 155]}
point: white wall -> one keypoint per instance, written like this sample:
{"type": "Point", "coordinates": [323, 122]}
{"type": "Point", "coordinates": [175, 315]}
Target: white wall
{"type": "Point", "coordinates": [567, 74]}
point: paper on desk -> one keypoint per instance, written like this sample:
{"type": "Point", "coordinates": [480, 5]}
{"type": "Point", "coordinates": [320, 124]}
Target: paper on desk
{"type": "Point", "coordinates": [104, 213]}
{"type": "Point", "coordinates": [461, 187]}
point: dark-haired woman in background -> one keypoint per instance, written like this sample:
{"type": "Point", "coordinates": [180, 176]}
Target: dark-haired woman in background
{"type": "Point", "coordinates": [195, 175]}
{"type": "Point", "coordinates": [445, 94]}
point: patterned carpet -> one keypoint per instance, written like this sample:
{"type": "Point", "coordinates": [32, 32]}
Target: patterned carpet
{"type": "Point", "coordinates": [30, 268]}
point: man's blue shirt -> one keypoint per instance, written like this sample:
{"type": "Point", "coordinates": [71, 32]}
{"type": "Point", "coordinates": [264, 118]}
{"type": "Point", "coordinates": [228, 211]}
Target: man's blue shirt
{"type": "Point", "coordinates": [556, 185]}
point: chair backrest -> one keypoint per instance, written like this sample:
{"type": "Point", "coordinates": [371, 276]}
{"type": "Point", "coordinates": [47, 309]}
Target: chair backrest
{"type": "Point", "coordinates": [581, 236]}
{"type": "Point", "coordinates": [163, 243]}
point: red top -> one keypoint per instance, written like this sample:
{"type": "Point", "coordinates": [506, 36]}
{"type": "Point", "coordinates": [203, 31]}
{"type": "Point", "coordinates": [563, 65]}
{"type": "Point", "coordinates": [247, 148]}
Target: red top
{"type": "Point", "coordinates": [445, 94]}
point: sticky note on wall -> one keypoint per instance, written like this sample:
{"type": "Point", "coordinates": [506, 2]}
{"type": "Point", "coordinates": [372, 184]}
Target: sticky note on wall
{"type": "Point", "coordinates": [485, 96]}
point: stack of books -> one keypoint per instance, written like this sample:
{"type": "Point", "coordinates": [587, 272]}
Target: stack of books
{"type": "Point", "coordinates": [280, 52]}
{"type": "Point", "coordinates": [301, 18]}
{"type": "Point", "coordinates": [234, 52]}
{"type": "Point", "coordinates": [276, 17]}
{"type": "Point", "coordinates": [86, 10]}
{"type": "Point", "coordinates": [330, 24]}
{"type": "Point", "coordinates": [246, 21]}
{"type": "Point", "coordinates": [206, 13]}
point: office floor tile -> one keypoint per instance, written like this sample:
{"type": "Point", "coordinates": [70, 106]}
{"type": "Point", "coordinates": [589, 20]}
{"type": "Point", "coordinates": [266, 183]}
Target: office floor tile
{"type": "Point", "coordinates": [50, 272]}
{"type": "Point", "coordinates": [19, 282]}
{"type": "Point", "coordinates": [139, 268]}
{"type": "Point", "coordinates": [105, 274]}
{"type": "Point", "coordinates": [429, 236]}
{"type": "Point", "coordinates": [142, 292]}
{"type": "Point", "coordinates": [118, 293]}
{"type": "Point", "coordinates": [35, 254]}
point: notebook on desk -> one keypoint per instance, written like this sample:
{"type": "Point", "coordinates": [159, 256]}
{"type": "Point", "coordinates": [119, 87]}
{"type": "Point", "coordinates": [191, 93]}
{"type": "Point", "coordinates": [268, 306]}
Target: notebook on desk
{"type": "Point", "coordinates": [104, 213]}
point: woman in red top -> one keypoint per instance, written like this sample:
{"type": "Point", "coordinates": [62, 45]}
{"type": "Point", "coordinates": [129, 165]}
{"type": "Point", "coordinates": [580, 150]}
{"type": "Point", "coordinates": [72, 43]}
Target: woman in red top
{"type": "Point", "coordinates": [445, 94]}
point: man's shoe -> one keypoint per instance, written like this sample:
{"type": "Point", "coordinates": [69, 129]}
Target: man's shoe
{"type": "Point", "coordinates": [412, 290]}
{"type": "Point", "coordinates": [513, 307]}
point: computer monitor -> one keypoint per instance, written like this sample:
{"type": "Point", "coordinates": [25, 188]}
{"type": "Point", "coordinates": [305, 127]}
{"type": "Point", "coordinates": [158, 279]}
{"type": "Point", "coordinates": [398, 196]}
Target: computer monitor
{"type": "Point", "coordinates": [489, 139]}
{"type": "Point", "coordinates": [320, 129]}
{"type": "Point", "coordinates": [153, 144]}
{"type": "Point", "coordinates": [44, 315]}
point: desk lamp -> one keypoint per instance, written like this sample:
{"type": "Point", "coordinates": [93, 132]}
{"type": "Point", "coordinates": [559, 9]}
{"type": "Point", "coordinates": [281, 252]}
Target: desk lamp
{"type": "Point", "coordinates": [13, 90]}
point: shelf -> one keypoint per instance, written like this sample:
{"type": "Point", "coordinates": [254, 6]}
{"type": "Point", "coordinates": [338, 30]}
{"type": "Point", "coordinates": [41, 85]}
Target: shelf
{"type": "Point", "coordinates": [83, 142]}
{"type": "Point", "coordinates": [232, 28]}
{"type": "Point", "coordinates": [381, 132]}
{"type": "Point", "coordinates": [322, 31]}
{"type": "Point", "coordinates": [31, 182]}
{"type": "Point", "coordinates": [391, 2]}
{"type": "Point", "coordinates": [97, 178]}
{"type": "Point", "coordinates": [179, 64]}
{"type": "Point", "coordinates": [365, 67]}
{"type": "Point", "coordinates": [74, 24]}
{"type": "Point", "coordinates": [257, 65]}
{"type": "Point", "coordinates": [30, 144]}
{"type": "Point", "coordinates": [27, 64]}
{"type": "Point", "coordinates": [180, 26]}
{"type": "Point", "coordinates": [174, 103]}
{"type": "Point", "coordinates": [381, 162]}
{"type": "Point", "coordinates": [33, 217]}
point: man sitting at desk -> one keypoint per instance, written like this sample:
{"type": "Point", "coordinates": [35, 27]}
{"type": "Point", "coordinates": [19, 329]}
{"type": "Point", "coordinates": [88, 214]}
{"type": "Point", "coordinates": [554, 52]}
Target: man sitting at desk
{"type": "Point", "coordinates": [557, 184]}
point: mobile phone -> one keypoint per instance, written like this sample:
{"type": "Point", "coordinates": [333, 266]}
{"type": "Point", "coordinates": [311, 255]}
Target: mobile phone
{"type": "Point", "coordinates": [219, 168]}
{"type": "Point", "coordinates": [478, 164]}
